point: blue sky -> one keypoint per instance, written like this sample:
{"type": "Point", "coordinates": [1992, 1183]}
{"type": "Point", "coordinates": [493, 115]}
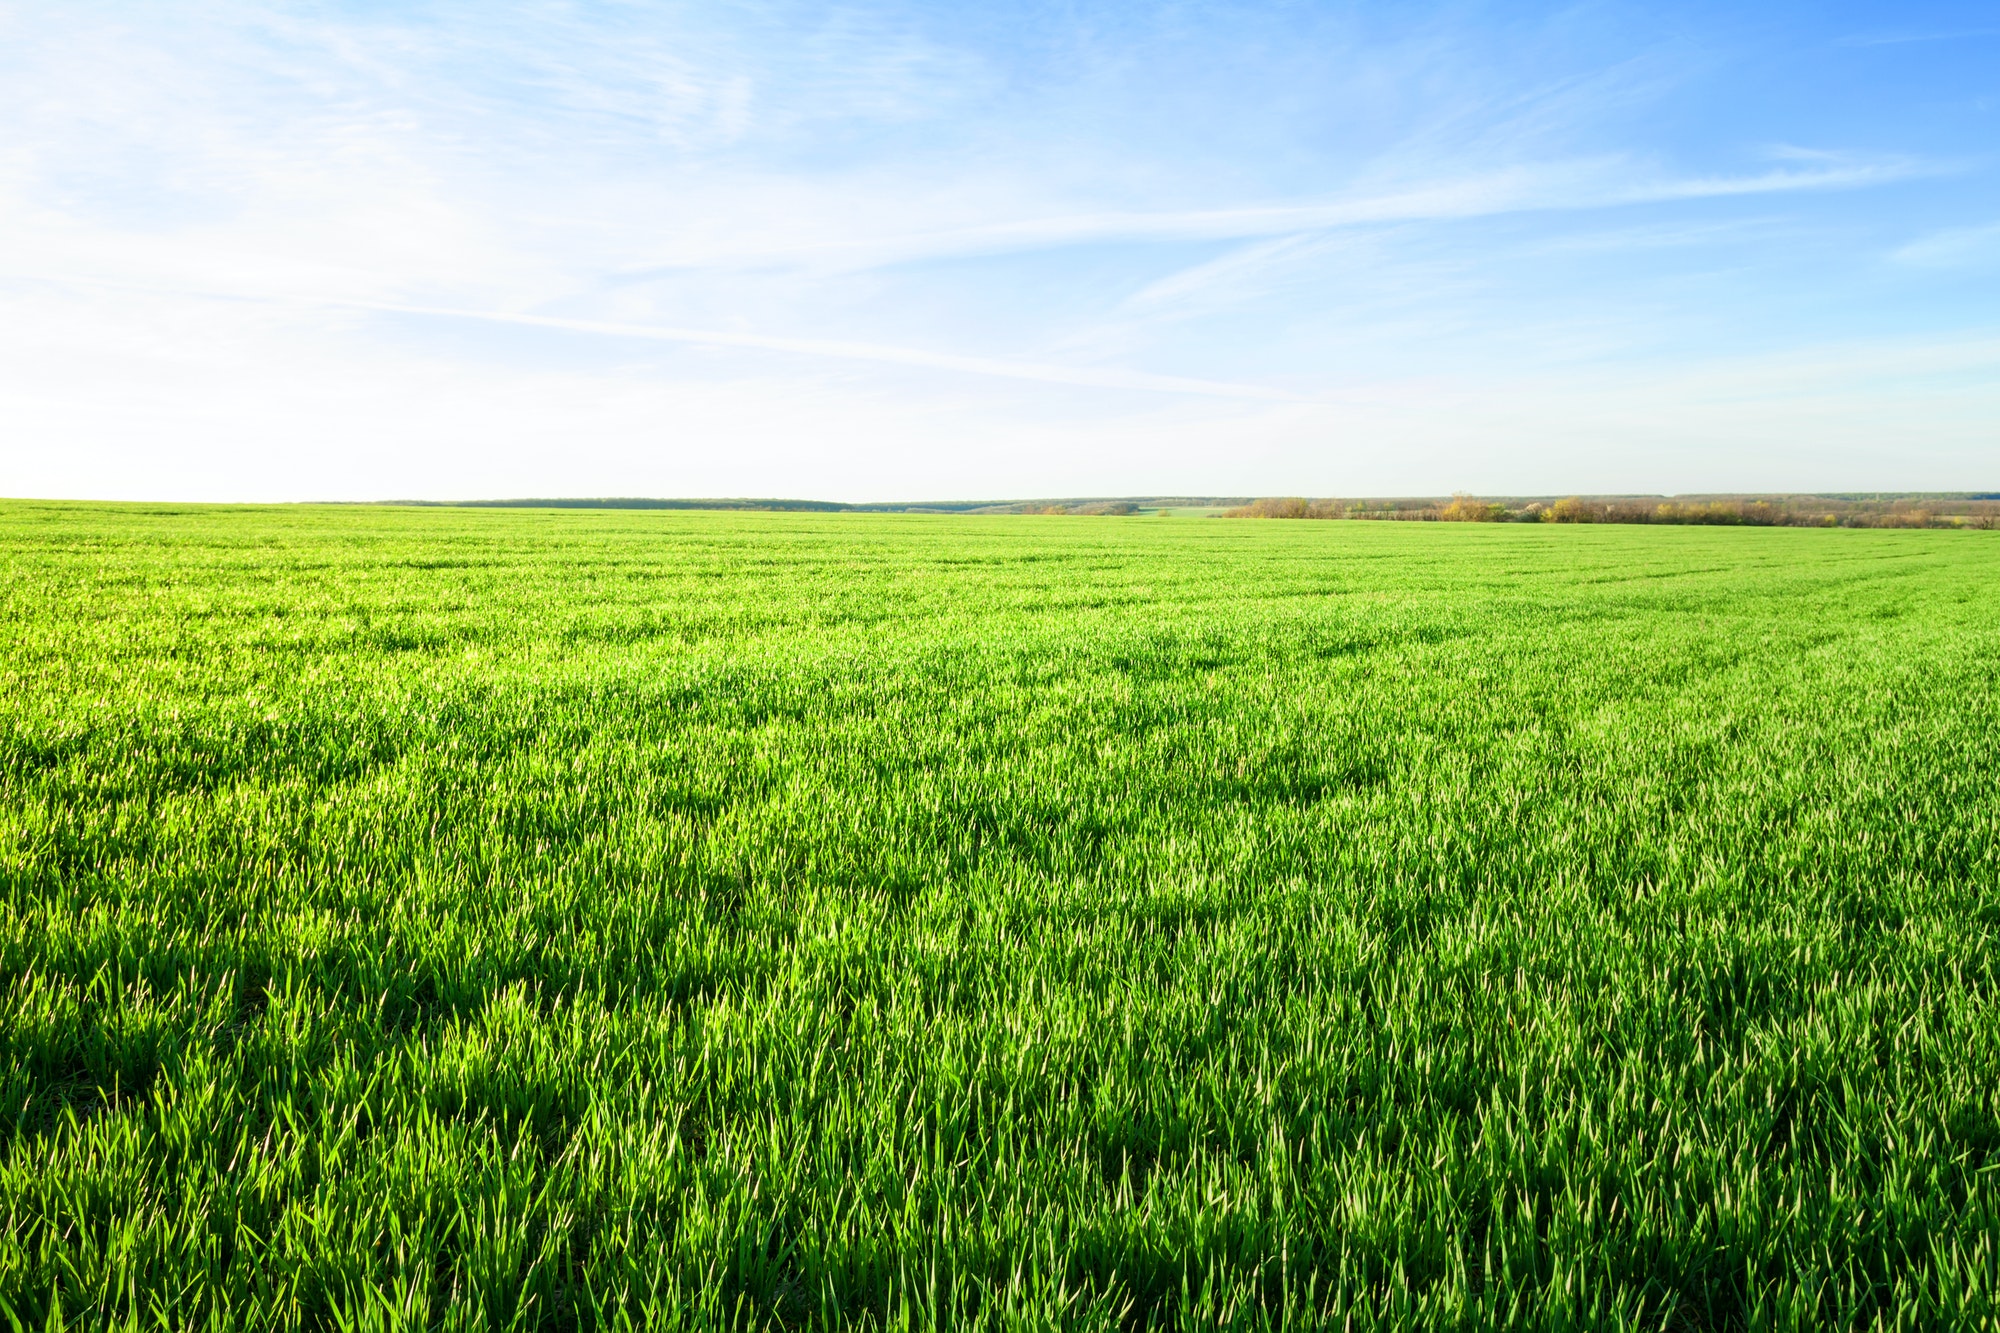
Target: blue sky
{"type": "Point", "coordinates": [903, 251]}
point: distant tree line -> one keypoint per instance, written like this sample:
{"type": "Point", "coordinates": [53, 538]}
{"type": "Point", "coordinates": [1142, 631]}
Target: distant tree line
{"type": "Point", "coordinates": [1097, 507]}
{"type": "Point", "coordinates": [1762, 511]}
{"type": "Point", "coordinates": [980, 507]}
{"type": "Point", "coordinates": [1909, 510]}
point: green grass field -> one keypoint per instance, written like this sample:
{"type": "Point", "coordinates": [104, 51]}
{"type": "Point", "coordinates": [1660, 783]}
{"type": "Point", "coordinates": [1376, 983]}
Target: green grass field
{"type": "Point", "coordinates": [497, 919]}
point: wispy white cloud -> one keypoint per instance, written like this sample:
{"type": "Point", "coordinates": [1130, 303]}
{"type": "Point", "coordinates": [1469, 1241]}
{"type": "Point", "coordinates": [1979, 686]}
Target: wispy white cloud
{"type": "Point", "coordinates": [1851, 174]}
{"type": "Point", "coordinates": [1662, 236]}
{"type": "Point", "coordinates": [1237, 269]}
{"type": "Point", "coordinates": [1082, 376]}
{"type": "Point", "coordinates": [1241, 272]}
{"type": "Point", "coordinates": [846, 350]}
{"type": "Point", "coordinates": [1953, 247]}
{"type": "Point", "coordinates": [1909, 38]}
{"type": "Point", "coordinates": [1546, 187]}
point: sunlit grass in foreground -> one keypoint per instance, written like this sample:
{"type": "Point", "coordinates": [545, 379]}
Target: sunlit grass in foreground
{"type": "Point", "coordinates": [560, 919]}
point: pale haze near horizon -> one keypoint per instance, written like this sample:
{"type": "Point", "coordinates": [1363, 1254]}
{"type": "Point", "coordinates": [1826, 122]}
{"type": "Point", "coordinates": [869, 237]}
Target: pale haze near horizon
{"type": "Point", "coordinates": [897, 252]}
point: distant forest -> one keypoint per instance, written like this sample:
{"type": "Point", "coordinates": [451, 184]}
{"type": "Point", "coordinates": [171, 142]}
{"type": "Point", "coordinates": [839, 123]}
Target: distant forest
{"type": "Point", "coordinates": [1963, 509]}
